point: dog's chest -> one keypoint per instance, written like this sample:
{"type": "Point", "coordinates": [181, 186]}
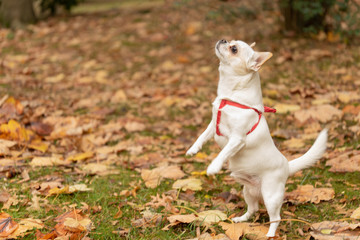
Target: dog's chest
{"type": "Point", "coordinates": [231, 120]}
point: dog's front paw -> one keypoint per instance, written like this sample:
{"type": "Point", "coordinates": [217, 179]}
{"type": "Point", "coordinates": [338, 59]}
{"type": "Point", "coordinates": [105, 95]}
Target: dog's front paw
{"type": "Point", "coordinates": [213, 168]}
{"type": "Point", "coordinates": [192, 151]}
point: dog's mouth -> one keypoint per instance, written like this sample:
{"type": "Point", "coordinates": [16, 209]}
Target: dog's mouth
{"type": "Point", "coordinates": [217, 47]}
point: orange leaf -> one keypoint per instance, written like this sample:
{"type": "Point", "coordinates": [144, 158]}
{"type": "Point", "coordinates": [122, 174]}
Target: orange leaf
{"type": "Point", "coordinates": [7, 225]}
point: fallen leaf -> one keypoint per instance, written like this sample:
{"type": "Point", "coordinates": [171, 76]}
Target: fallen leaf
{"type": "Point", "coordinates": [182, 218]}
{"type": "Point", "coordinates": [345, 162]}
{"type": "Point", "coordinates": [294, 143]}
{"type": "Point", "coordinates": [5, 146]}
{"type": "Point", "coordinates": [7, 225]}
{"type": "Point", "coordinates": [47, 161]}
{"type": "Point", "coordinates": [286, 108]}
{"type": "Point", "coordinates": [307, 193]}
{"type": "Point", "coordinates": [335, 230]}
{"type": "Point", "coordinates": [99, 169]}
{"type": "Point", "coordinates": [69, 189]}
{"type": "Point", "coordinates": [208, 236]}
{"type": "Point", "coordinates": [73, 225]}
{"type": "Point", "coordinates": [80, 157]}
{"type": "Point", "coordinates": [189, 183]}
{"type": "Point", "coordinates": [4, 196]}
{"type": "Point", "coordinates": [346, 97]}
{"type": "Point", "coordinates": [322, 113]}
{"type": "Point", "coordinates": [25, 225]}
{"type": "Point", "coordinates": [252, 231]}
{"type": "Point", "coordinates": [211, 216]}
{"type": "Point", "coordinates": [134, 126]}
{"type": "Point", "coordinates": [13, 130]}
{"type": "Point", "coordinates": [152, 178]}
{"type": "Point", "coordinates": [356, 214]}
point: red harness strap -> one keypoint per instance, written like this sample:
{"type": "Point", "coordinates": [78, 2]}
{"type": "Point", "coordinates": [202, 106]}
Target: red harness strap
{"type": "Point", "coordinates": [224, 102]}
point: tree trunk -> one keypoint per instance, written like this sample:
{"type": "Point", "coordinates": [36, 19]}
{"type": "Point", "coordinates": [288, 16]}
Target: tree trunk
{"type": "Point", "coordinates": [16, 13]}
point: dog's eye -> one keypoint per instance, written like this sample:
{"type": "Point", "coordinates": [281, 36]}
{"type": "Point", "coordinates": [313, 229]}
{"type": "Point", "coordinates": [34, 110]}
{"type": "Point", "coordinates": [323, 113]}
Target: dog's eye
{"type": "Point", "coordinates": [233, 49]}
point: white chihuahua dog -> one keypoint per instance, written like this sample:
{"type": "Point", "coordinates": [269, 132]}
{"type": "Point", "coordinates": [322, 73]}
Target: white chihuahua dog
{"type": "Point", "coordinates": [241, 130]}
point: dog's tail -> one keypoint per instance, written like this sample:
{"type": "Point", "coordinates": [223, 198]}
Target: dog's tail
{"type": "Point", "coordinates": [310, 157]}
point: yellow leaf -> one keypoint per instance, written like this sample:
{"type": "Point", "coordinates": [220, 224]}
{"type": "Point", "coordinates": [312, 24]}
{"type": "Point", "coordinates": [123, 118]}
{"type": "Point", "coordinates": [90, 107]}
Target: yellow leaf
{"type": "Point", "coordinates": [69, 189]}
{"type": "Point", "coordinates": [211, 216]}
{"type": "Point", "coordinates": [252, 231]}
{"type": "Point", "coordinates": [195, 173]}
{"type": "Point", "coordinates": [187, 218]}
{"type": "Point", "coordinates": [37, 144]}
{"type": "Point", "coordinates": [285, 108]}
{"type": "Point", "coordinates": [190, 183]}
{"type": "Point", "coordinates": [294, 143]}
{"type": "Point", "coordinates": [356, 214]}
{"type": "Point", "coordinates": [326, 231]}
{"type": "Point", "coordinates": [79, 188]}
{"type": "Point", "coordinates": [201, 155]}
{"type": "Point", "coordinates": [80, 156]}
{"type": "Point", "coordinates": [333, 37]}
{"type": "Point", "coordinates": [25, 225]}
{"type": "Point", "coordinates": [14, 131]}
{"type": "Point", "coordinates": [47, 161]}
{"type": "Point", "coordinates": [57, 191]}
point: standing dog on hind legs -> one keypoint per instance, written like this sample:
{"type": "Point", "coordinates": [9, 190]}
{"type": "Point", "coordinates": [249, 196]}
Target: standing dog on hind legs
{"type": "Point", "coordinates": [241, 130]}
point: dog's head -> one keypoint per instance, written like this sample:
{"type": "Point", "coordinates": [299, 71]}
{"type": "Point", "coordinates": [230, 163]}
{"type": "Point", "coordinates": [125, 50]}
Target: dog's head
{"type": "Point", "coordinates": [240, 56]}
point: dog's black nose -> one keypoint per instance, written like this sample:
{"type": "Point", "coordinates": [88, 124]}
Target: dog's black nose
{"type": "Point", "coordinates": [223, 41]}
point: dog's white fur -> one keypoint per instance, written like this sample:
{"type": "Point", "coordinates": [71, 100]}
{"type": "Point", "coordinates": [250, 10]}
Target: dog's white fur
{"type": "Point", "coordinates": [253, 159]}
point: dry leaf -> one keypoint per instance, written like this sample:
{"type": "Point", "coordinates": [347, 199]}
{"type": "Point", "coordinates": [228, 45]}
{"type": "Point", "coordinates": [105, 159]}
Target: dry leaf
{"type": "Point", "coordinates": [80, 157]}
{"type": "Point", "coordinates": [72, 225]}
{"type": "Point", "coordinates": [346, 97]}
{"type": "Point", "coordinates": [99, 169]}
{"type": "Point", "coordinates": [252, 231]}
{"type": "Point", "coordinates": [179, 218]}
{"type": "Point", "coordinates": [152, 178]}
{"type": "Point", "coordinates": [208, 236]}
{"type": "Point", "coordinates": [13, 130]}
{"type": "Point", "coordinates": [25, 225]}
{"type": "Point", "coordinates": [307, 193]}
{"type": "Point", "coordinates": [211, 216]}
{"type": "Point", "coordinates": [47, 161]}
{"type": "Point", "coordinates": [345, 162]}
{"type": "Point", "coordinates": [294, 143]}
{"type": "Point", "coordinates": [285, 108]}
{"type": "Point", "coordinates": [189, 183]}
{"type": "Point", "coordinates": [329, 230]}
{"type": "Point", "coordinates": [7, 225]}
{"type": "Point", "coordinates": [322, 113]}
{"type": "Point", "coordinates": [69, 189]}
{"type": "Point", "coordinates": [134, 126]}
{"type": "Point", "coordinates": [5, 145]}
{"type": "Point", "coordinates": [356, 214]}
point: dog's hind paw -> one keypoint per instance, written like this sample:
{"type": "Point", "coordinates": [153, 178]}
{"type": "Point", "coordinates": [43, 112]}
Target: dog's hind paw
{"type": "Point", "coordinates": [239, 219]}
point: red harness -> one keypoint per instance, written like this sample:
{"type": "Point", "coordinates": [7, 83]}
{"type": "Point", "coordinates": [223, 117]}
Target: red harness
{"type": "Point", "coordinates": [235, 104]}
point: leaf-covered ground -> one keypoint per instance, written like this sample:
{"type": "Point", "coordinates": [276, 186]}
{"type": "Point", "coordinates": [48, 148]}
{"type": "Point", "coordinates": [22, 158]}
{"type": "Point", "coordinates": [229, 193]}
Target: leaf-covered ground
{"type": "Point", "coordinates": [98, 109]}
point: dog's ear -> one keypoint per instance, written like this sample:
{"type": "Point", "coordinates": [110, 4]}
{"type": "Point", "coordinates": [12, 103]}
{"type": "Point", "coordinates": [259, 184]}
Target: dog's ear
{"type": "Point", "coordinates": [253, 44]}
{"type": "Point", "coordinates": [259, 59]}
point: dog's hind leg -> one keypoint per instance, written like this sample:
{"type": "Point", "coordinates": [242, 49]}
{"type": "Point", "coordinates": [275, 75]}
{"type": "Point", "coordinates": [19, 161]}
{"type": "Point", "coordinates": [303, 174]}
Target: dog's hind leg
{"type": "Point", "coordinates": [252, 201]}
{"type": "Point", "coordinates": [273, 194]}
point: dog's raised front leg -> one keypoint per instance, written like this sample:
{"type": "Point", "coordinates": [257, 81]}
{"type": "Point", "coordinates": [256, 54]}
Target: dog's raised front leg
{"type": "Point", "coordinates": [204, 137]}
{"type": "Point", "coordinates": [234, 145]}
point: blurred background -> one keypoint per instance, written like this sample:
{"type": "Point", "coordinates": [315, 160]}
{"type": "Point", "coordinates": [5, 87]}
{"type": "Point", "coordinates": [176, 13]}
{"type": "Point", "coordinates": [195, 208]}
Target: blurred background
{"type": "Point", "coordinates": [129, 84]}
